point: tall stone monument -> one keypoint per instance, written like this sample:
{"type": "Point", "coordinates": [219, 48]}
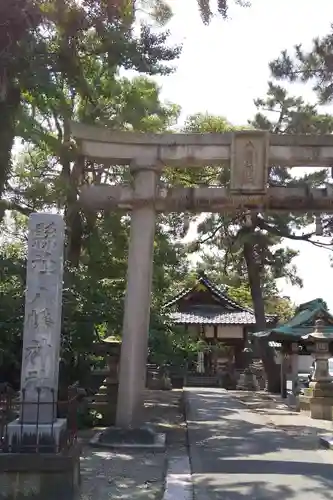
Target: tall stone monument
{"type": "Point", "coordinates": [42, 328]}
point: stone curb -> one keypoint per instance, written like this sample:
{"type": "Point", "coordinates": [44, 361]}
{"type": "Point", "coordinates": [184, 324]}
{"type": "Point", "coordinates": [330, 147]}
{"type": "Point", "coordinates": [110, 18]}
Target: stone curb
{"type": "Point", "coordinates": [178, 481]}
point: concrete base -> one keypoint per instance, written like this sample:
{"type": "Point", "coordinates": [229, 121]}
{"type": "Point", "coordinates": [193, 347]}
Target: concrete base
{"type": "Point", "coordinates": [247, 382]}
{"type": "Point", "coordinates": [321, 408]}
{"type": "Point", "coordinates": [40, 476]}
{"type": "Point", "coordinates": [129, 439]}
{"type": "Point", "coordinates": [319, 399]}
{"type": "Point", "coordinates": [308, 392]}
{"type": "Point", "coordinates": [293, 402]}
{"type": "Point", "coordinates": [320, 389]}
{"type": "Point", "coordinates": [48, 435]}
{"type": "Point", "coordinates": [304, 402]}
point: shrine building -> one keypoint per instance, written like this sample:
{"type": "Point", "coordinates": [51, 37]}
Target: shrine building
{"type": "Point", "coordinates": [209, 314]}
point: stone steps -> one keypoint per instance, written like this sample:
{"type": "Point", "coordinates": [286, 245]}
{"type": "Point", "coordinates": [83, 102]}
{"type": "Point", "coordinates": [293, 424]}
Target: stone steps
{"type": "Point", "coordinates": [201, 381]}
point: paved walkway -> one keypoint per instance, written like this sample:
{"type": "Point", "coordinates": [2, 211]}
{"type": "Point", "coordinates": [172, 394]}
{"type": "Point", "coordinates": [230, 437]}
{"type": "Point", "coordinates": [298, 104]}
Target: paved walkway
{"type": "Point", "coordinates": [239, 454]}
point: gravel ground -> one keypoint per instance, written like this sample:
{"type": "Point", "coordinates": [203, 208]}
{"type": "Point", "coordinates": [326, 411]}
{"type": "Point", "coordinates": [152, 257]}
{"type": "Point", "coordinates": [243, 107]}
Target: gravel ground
{"type": "Point", "coordinates": [135, 475]}
{"type": "Point", "coordinates": [110, 475]}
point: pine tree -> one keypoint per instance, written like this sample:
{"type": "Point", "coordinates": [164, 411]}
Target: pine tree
{"type": "Point", "coordinates": [206, 12]}
{"type": "Point", "coordinates": [248, 243]}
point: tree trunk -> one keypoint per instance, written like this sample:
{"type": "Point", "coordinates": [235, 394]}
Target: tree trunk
{"type": "Point", "coordinates": [72, 214]}
{"type": "Point", "coordinates": [265, 351]}
{"type": "Point", "coordinates": [9, 105]}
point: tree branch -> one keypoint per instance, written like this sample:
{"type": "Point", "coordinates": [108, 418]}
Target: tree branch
{"type": "Point", "coordinates": [262, 224]}
{"type": "Point", "coordinates": [217, 229]}
{"type": "Point", "coordinates": [11, 205]}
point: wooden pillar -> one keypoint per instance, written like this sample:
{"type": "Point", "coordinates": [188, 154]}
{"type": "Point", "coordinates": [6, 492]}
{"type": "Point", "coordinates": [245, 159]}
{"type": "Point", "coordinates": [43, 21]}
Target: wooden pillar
{"type": "Point", "coordinates": [294, 367]}
{"type": "Point", "coordinates": [283, 378]}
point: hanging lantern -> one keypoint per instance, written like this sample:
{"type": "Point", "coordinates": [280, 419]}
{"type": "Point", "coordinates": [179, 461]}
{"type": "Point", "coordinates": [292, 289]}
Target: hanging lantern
{"type": "Point", "coordinates": [319, 225]}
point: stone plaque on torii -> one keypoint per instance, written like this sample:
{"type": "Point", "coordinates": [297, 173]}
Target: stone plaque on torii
{"type": "Point", "coordinates": [250, 154]}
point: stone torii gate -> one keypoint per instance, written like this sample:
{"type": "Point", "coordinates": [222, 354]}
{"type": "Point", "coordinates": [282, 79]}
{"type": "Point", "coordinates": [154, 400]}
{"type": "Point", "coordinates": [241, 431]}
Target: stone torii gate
{"type": "Point", "coordinates": [249, 153]}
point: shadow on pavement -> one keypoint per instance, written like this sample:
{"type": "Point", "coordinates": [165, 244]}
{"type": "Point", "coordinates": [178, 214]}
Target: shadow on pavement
{"type": "Point", "coordinates": [258, 490]}
{"type": "Point", "coordinates": [238, 454]}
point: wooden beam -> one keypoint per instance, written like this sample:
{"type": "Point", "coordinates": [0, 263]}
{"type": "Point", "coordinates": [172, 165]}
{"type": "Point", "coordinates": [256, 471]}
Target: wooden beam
{"type": "Point", "coordinates": [203, 199]}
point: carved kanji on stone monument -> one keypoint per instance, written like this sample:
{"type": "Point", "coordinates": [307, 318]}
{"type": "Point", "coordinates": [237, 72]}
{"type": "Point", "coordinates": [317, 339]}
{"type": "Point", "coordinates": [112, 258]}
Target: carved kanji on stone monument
{"type": "Point", "coordinates": [41, 339]}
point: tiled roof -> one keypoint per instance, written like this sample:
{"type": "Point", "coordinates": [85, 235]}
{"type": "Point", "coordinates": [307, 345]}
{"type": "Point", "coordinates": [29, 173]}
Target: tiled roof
{"type": "Point", "coordinates": [229, 312]}
{"type": "Point", "coordinates": [221, 295]}
{"type": "Point", "coordinates": [213, 318]}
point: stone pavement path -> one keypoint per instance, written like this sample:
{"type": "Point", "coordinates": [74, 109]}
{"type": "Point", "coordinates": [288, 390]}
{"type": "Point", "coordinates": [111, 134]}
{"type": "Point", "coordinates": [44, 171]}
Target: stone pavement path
{"type": "Point", "coordinates": [239, 454]}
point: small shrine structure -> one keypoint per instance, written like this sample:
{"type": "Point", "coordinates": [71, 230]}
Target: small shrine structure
{"type": "Point", "coordinates": [287, 339]}
{"type": "Point", "coordinates": [210, 315]}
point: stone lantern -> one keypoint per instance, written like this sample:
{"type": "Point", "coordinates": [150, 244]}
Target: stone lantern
{"type": "Point", "coordinates": [247, 380]}
{"type": "Point", "coordinates": [105, 400]}
{"type": "Point", "coordinates": [321, 387]}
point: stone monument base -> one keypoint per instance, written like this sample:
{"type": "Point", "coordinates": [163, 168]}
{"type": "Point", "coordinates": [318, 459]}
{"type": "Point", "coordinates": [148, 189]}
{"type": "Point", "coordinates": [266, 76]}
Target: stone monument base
{"type": "Point", "coordinates": [247, 382]}
{"type": "Point", "coordinates": [320, 396]}
{"type": "Point", "coordinates": [47, 476]}
{"type": "Point", "coordinates": [45, 436]}
{"type": "Point", "coordinates": [321, 408]}
{"type": "Point", "coordinates": [142, 438]}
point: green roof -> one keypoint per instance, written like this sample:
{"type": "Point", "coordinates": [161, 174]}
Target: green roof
{"type": "Point", "coordinates": [302, 323]}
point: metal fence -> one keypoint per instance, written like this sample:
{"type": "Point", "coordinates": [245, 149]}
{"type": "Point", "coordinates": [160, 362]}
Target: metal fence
{"type": "Point", "coordinates": [37, 437]}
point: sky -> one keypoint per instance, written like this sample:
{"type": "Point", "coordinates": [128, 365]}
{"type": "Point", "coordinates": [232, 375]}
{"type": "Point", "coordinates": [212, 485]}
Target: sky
{"type": "Point", "coordinates": [224, 67]}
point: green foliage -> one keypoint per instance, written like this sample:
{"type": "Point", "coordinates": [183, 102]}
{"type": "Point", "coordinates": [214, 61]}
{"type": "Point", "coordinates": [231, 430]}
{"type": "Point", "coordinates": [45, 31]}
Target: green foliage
{"type": "Point", "coordinates": [222, 236]}
{"type": "Point", "coordinates": [66, 66]}
{"type": "Point", "coordinates": [222, 8]}
{"type": "Point", "coordinates": [54, 54]}
{"type": "Point", "coordinates": [312, 65]}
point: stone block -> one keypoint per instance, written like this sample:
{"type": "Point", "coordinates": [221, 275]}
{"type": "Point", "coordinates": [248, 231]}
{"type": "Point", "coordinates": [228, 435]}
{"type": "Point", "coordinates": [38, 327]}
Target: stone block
{"type": "Point", "coordinates": [304, 403]}
{"type": "Point", "coordinates": [308, 392]}
{"type": "Point", "coordinates": [54, 433]}
{"type": "Point", "coordinates": [249, 161]}
{"type": "Point", "coordinates": [40, 476]}
{"type": "Point", "coordinates": [321, 408]}
{"type": "Point", "coordinates": [142, 438]}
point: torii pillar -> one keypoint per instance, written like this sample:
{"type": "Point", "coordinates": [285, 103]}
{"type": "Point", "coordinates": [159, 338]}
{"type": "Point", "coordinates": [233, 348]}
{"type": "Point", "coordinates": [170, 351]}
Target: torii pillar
{"type": "Point", "coordinates": [133, 359]}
